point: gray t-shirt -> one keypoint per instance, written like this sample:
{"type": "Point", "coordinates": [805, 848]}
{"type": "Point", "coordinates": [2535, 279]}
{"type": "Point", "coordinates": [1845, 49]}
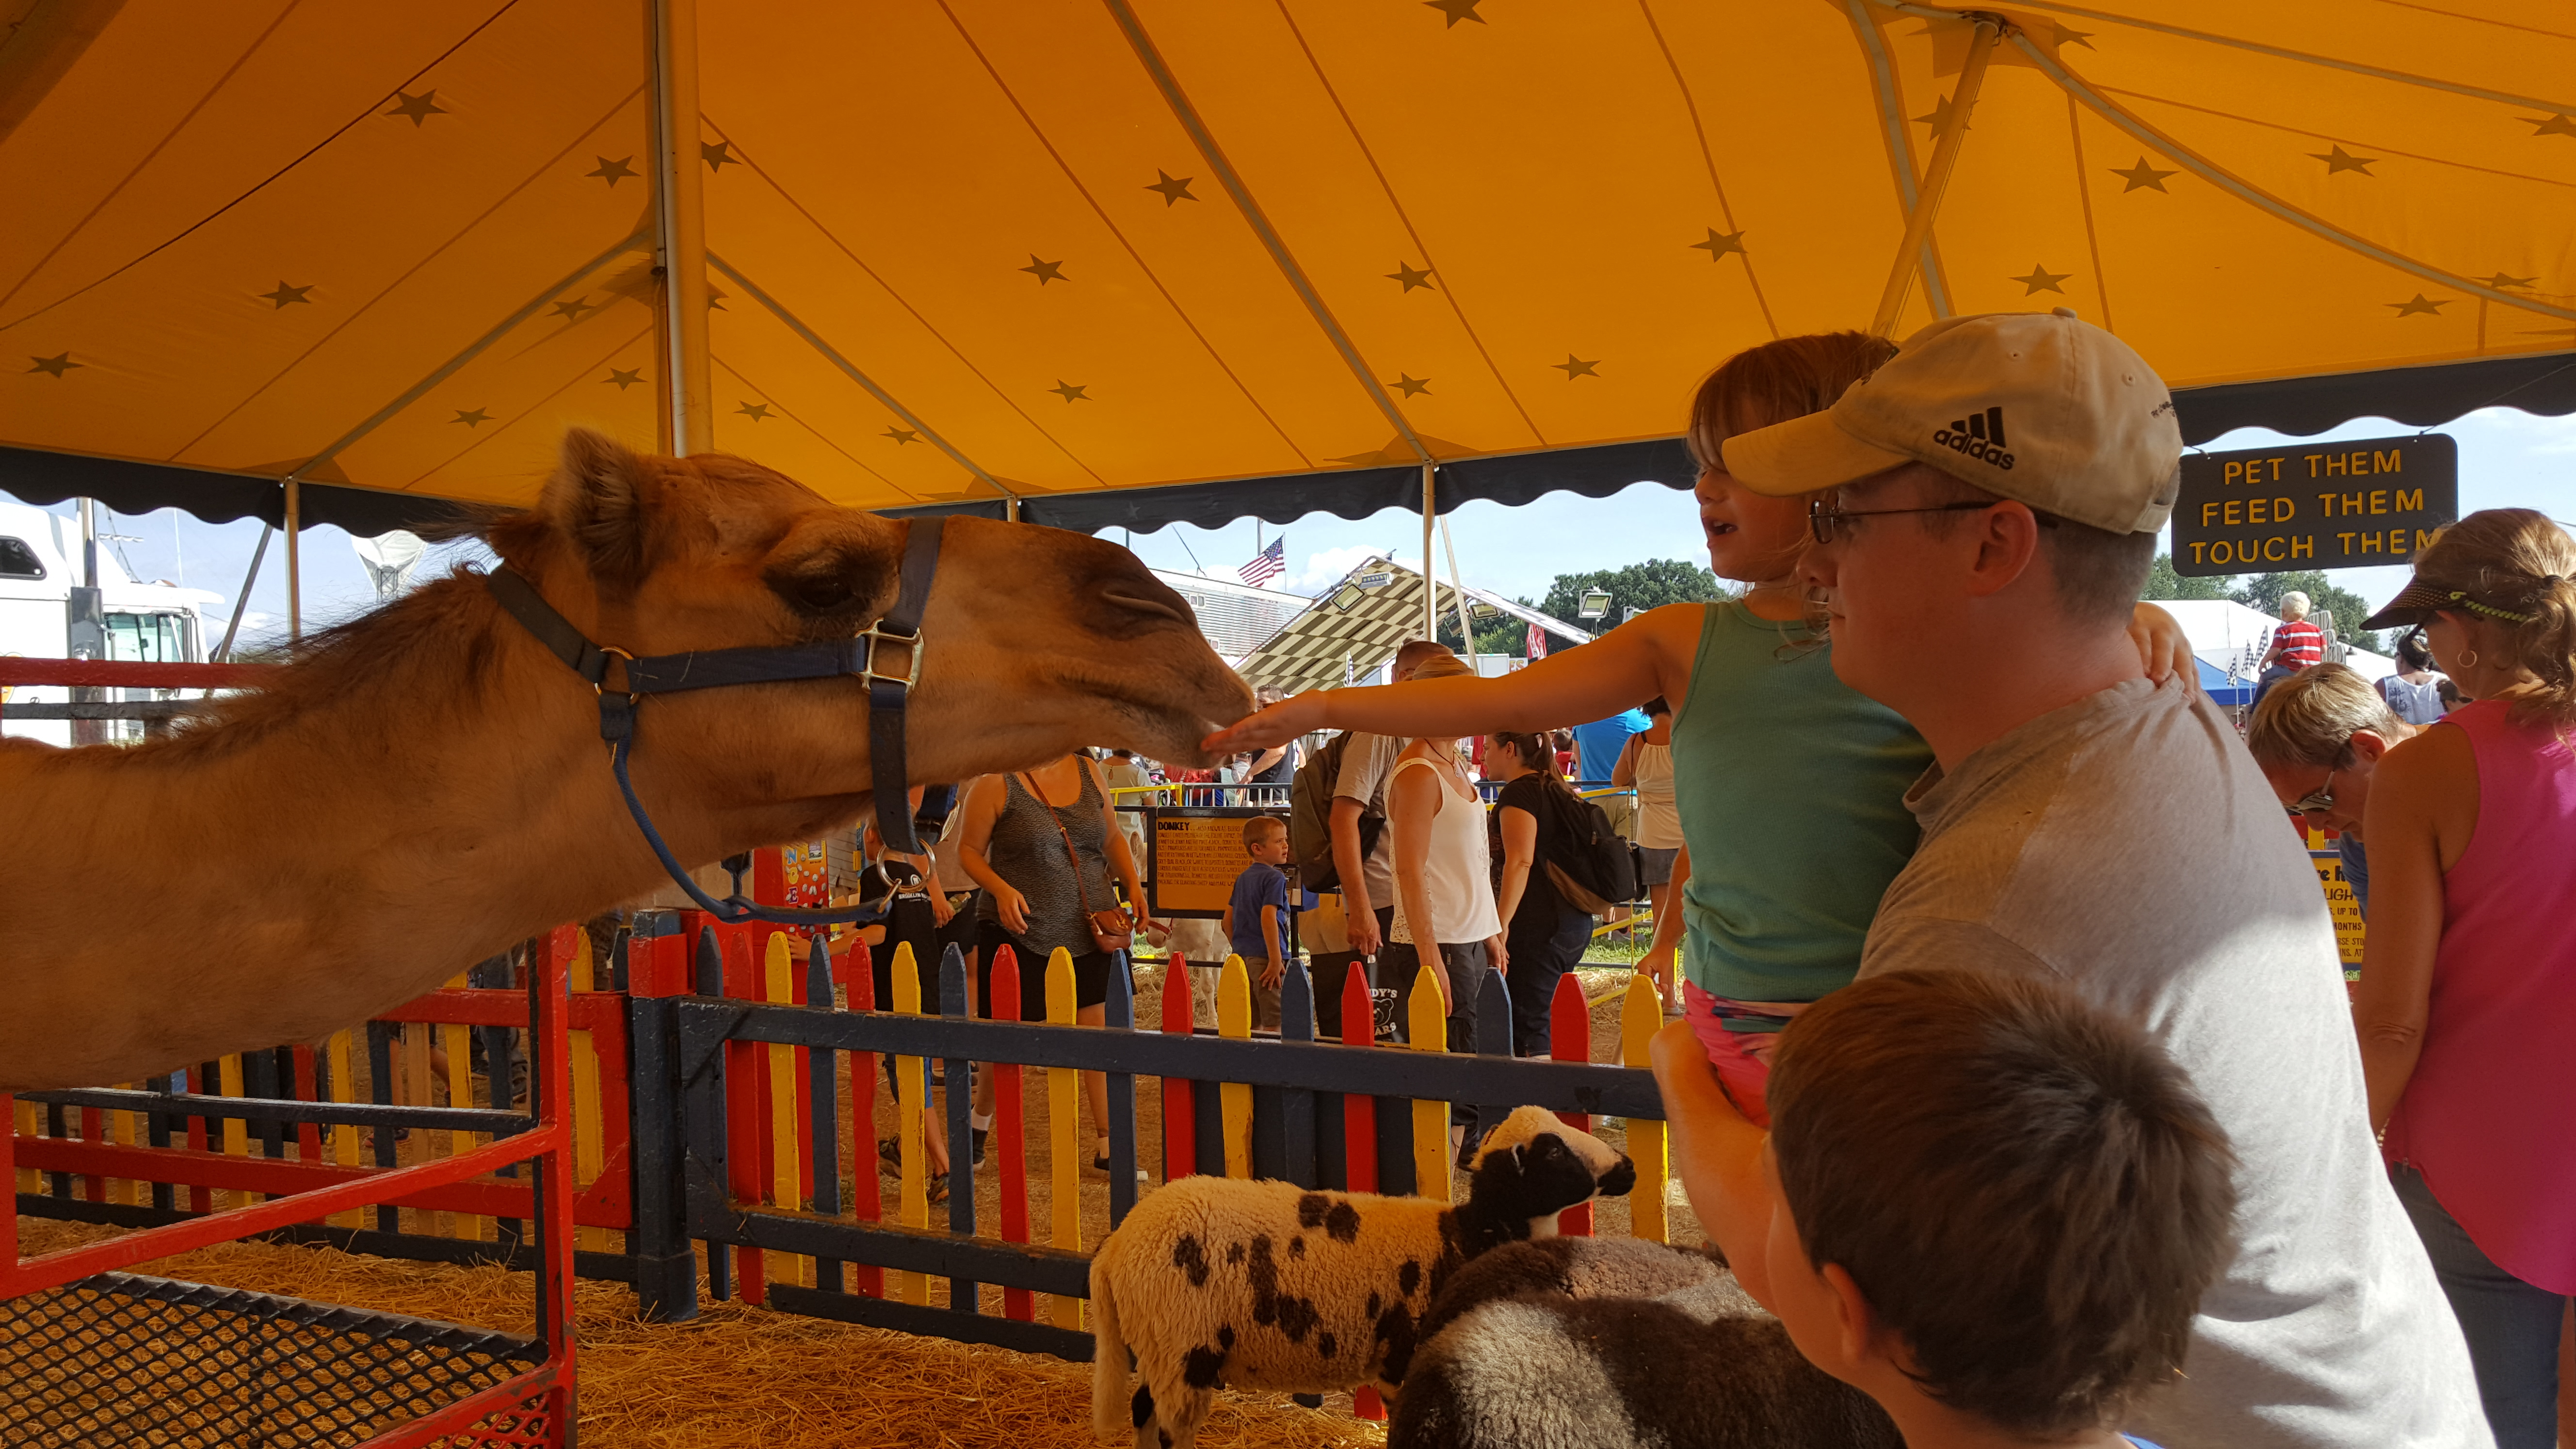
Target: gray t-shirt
{"type": "Point", "coordinates": [1366, 762]}
{"type": "Point", "coordinates": [2128, 846]}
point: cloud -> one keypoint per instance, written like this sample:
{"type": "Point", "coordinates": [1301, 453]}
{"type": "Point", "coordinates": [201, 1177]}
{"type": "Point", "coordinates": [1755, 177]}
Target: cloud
{"type": "Point", "coordinates": [1327, 567]}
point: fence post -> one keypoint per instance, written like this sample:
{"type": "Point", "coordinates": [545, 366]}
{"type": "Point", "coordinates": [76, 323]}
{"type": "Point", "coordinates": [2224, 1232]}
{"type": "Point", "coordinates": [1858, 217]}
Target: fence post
{"type": "Point", "coordinates": [1429, 1028]}
{"type": "Point", "coordinates": [911, 1082]}
{"type": "Point", "coordinates": [1640, 1017]}
{"type": "Point", "coordinates": [1234, 1019]}
{"type": "Point", "coordinates": [1297, 1104]}
{"type": "Point", "coordinates": [1493, 1039]}
{"type": "Point", "coordinates": [1569, 1034]}
{"type": "Point", "coordinates": [1010, 1125]}
{"type": "Point", "coordinates": [964, 1294]}
{"type": "Point", "coordinates": [823, 1090]}
{"type": "Point", "coordinates": [1180, 1111]}
{"type": "Point", "coordinates": [666, 1271]}
{"type": "Point", "coordinates": [867, 1198]}
{"type": "Point", "coordinates": [786, 1170]}
{"type": "Point", "coordinates": [747, 1087]}
{"type": "Point", "coordinates": [1064, 1133]}
{"type": "Point", "coordinates": [710, 982]}
{"type": "Point", "coordinates": [1118, 1013]}
{"type": "Point", "coordinates": [1359, 1129]}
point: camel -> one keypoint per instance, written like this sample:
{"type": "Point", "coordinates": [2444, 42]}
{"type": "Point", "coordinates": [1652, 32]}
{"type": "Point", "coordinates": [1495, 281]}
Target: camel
{"type": "Point", "coordinates": [426, 784]}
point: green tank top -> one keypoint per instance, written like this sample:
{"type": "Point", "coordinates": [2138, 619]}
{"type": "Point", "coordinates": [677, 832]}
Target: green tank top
{"type": "Point", "coordinates": [1792, 794]}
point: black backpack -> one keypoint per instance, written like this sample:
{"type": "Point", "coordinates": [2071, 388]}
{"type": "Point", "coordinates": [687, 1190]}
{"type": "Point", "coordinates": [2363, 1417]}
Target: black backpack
{"type": "Point", "coordinates": [1592, 867]}
{"type": "Point", "coordinates": [1310, 817]}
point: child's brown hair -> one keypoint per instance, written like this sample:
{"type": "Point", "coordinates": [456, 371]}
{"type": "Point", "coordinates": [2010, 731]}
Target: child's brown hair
{"type": "Point", "coordinates": [2025, 1188]}
{"type": "Point", "coordinates": [1260, 828]}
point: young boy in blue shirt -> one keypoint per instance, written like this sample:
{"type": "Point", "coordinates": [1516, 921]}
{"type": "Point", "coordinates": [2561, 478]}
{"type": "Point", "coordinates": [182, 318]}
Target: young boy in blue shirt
{"type": "Point", "coordinates": [1255, 922]}
{"type": "Point", "coordinates": [1984, 1202]}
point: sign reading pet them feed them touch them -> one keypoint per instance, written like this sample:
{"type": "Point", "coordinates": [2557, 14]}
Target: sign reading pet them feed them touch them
{"type": "Point", "coordinates": [2314, 505]}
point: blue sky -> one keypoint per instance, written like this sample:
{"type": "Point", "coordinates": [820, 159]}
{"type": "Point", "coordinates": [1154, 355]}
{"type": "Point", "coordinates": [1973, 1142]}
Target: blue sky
{"type": "Point", "coordinates": [2507, 458]}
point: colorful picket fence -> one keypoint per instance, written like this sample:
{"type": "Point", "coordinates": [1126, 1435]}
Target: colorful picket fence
{"type": "Point", "coordinates": [762, 1190]}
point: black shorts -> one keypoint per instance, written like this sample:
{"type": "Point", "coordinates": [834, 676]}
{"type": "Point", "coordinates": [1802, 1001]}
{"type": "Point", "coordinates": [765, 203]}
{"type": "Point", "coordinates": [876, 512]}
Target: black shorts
{"type": "Point", "coordinates": [1090, 973]}
{"type": "Point", "coordinates": [909, 919]}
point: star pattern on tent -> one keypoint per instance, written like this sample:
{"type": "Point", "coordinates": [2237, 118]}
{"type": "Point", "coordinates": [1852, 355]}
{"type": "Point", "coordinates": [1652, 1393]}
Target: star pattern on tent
{"type": "Point", "coordinates": [419, 107]}
{"type": "Point", "coordinates": [2340, 159]}
{"type": "Point", "coordinates": [2041, 279]}
{"type": "Point", "coordinates": [58, 364]}
{"type": "Point", "coordinates": [1574, 367]}
{"type": "Point", "coordinates": [2557, 125]}
{"type": "Point", "coordinates": [717, 154]}
{"type": "Point", "coordinates": [2067, 36]}
{"type": "Point", "coordinates": [1045, 272]}
{"type": "Point", "coordinates": [2142, 177]}
{"type": "Point", "coordinates": [1456, 10]}
{"type": "Point", "coordinates": [613, 172]}
{"type": "Point", "coordinates": [572, 309]}
{"type": "Point", "coordinates": [1411, 277]}
{"type": "Point", "coordinates": [2500, 281]}
{"type": "Point", "coordinates": [1175, 189]}
{"type": "Point", "coordinates": [901, 436]}
{"type": "Point", "coordinates": [1719, 243]}
{"type": "Point", "coordinates": [1411, 385]}
{"type": "Point", "coordinates": [716, 298]}
{"type": "Point", "coordinates": [1070, 392]}
{"type": "Point", "coordinates": [754, 411]}
{"type": "Point", "coordinates": [286, 296]}
{"type": "Point", "coordinates": [474, 419]}
{"type": "Point", "coordinates": [1939, 119]}
{"type": "Point", "coordinates": [2419, 306]}
{"type": "Point", "coordinates": [624, 377]}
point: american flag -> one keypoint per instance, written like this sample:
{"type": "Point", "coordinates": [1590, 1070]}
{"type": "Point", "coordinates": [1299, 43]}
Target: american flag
{"type": "Point", "coordinates": [1268, 564]}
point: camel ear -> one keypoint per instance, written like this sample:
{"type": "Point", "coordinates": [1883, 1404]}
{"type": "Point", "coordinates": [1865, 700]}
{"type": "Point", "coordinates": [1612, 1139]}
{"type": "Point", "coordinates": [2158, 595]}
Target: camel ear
{"type": "Point", "coordinates": [596, 501]}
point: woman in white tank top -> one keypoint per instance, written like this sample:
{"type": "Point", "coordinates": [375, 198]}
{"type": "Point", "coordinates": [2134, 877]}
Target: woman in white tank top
{"type": "Point", "coordinates": [1444, 892]}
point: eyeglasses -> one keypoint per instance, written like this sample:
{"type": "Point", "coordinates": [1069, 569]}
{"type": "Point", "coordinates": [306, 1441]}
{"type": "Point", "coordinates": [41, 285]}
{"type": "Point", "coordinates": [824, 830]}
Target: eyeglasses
{"type": "Point", "coordinates": [1826, 522]}
{"type": "Point", "coordinates": [2317, 801]}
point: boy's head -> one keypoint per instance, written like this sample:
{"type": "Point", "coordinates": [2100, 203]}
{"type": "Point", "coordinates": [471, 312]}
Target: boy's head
{"type": "Point", "coordinates": [1265, 839]}
{"type": "Point", "coordinates": [1997, 1197]}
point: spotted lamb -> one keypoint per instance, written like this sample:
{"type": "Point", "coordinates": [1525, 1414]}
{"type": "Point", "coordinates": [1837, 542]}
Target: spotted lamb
{"type": "Point", "coordinates": [1581, 1343]}
{"type": "Point", "coordinates": [1218, 1282]}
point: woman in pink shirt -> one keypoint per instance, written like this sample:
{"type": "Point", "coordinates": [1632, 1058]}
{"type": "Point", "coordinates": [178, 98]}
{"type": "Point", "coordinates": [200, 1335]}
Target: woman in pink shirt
{"type": "Point", "coordinates": [2467, 1001]}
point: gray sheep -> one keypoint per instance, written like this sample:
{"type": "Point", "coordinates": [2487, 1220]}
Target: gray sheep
{"type": "Point", "coordinates": [1617, 1343]}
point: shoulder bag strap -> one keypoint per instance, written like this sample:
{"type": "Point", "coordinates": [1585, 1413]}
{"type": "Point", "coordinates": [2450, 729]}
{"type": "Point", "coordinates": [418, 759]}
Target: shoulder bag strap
{"type": "Point", "coordinates": [1080, 892]}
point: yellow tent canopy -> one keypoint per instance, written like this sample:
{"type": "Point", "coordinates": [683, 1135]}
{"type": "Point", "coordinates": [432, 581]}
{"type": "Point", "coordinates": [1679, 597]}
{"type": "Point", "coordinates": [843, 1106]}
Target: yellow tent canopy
{"type": "Point", "coordinates": [1284, 252]}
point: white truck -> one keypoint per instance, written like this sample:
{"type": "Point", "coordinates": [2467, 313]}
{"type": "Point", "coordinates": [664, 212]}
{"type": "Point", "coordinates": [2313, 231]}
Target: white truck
{"type": "Point", "coordinates": [40, 569]}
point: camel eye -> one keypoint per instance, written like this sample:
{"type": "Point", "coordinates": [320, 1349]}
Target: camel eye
{"type": "Point", "coordinates": [825, 585]}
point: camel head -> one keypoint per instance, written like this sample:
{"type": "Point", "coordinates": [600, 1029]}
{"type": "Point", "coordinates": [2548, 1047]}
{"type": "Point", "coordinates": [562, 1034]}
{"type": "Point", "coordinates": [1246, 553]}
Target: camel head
{"type": "Point", "coordinates": [1035, 640]}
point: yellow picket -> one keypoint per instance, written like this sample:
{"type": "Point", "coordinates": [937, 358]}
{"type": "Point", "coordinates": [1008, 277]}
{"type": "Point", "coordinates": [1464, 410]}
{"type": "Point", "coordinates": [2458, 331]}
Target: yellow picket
{"type": "Point", "coordinates": [787, 1181]}
{"type": "Point", "coordinates": [1064, 1134]}
{"type": "Point", "coordinates": [344, 1137]}
{"type": "Point", "coordinates": [29, 1180]}
{"type": "Point", "coordinates": [1234, 1019]}
{"type": "Point", "coordinates": [1428, 1021]}
{"type": "Point", "coordinates": [460, 1093]}
{"type": "Point", "coordinates": [126, 1129]}
{"type": "Point", "coordinates": [1640, 1017]}
{"type": "Point", "coordinates": [589, 1122]}
{"type": "Point", "coordinates": [236, 1135]}
{"type": "Point", "coordinates": [914, 1187]}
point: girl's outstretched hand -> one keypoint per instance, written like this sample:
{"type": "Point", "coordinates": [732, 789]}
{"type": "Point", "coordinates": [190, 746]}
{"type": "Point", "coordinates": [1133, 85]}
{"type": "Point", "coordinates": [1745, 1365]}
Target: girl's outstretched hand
{"type": "Point", "coordinates": [2163, 648]}
{"type": "Point", "coordinates": [1264, 729]}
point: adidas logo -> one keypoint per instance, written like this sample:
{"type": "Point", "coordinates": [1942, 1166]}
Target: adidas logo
{"type": "Point", "coordinates": [1979, 435]}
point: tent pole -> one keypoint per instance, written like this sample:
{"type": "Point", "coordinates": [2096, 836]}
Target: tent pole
{"type": "Point", "coordinates": [680, 227]}
{"type": "Point", "coordinates": [232, 625]}
{"type": "Point", "coordinates": [1430, 575]}
{"type": "Point", "coordinates": [1458, 592]}
{"type": "Point", "coordinates": [294, 559]}
{"type": "Point", "coordinates": [1936, 179]}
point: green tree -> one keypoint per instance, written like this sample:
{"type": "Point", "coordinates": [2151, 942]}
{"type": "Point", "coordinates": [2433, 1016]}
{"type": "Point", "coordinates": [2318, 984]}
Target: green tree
{"type": "Point", "coordinates": [1501, 634]}
{"type": "Point", "coordinates": [2164, 583]}
{"type": "Point", "coordinates": [1640, 586]}
{"type": "Point", "coordinates": [2264, 591]}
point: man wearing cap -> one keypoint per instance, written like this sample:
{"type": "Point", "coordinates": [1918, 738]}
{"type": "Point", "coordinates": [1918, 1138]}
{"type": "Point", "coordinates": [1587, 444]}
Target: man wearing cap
{"type": "Point", "coordinates": [1997, 489]}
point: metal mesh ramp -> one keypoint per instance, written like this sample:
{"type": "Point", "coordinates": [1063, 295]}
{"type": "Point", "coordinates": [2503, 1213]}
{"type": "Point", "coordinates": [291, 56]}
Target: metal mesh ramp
{"type": "Point", "coordinates": [123, 1359]}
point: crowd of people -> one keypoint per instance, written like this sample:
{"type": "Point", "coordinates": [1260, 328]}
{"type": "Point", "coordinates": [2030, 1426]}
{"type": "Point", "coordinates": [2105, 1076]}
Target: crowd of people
{"type": "Point", "coordinates": [2165, 1180]}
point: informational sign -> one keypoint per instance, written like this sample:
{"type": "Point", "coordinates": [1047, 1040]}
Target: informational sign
{"type": "Point", "coordinates": [2306, 505]}
{"type": "Point", "coordinates": [1192, 856]}
{"type": "Point", "coordinates": [2346, 907]}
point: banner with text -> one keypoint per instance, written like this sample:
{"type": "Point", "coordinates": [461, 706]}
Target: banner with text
{"type": "Point", "coordinates": [2341, 505]}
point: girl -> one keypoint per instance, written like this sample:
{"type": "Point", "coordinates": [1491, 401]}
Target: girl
{"type": "Point", "coordinates": [1790, 786]}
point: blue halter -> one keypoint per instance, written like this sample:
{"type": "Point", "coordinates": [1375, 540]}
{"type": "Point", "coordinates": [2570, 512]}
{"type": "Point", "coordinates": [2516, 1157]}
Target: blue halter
{"type": "Point", "coordinates": [889, 691]}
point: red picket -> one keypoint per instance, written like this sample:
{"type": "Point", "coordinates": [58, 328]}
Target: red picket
{"type": "Point", "coordinates": [859, 975]}
{"type": "Point", "coordinates": [747, 1149]}
{"type": "Point", "coordinates": [202, 1199]}
{"type": "Point", "coordinates": [1569, 1039]}
{"type": "Point", "coordinates": [308, 1135]}
{"type": "Point", "coordinates": [1009, 1142]}
{"type": "Point", "coordinates": [1180, 1115]}
{"type": "Point", "coordinates": [1359, 1129]}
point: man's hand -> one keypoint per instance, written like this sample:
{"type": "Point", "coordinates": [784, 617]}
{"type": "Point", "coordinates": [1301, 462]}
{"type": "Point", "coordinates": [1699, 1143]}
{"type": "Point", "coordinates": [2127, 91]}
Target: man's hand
{"type": "Point", "coordinates": [1267, 729]}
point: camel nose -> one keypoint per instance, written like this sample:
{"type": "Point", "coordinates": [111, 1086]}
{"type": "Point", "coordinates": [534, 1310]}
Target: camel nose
{"type": "Point", "coordinates": [1136, 601]}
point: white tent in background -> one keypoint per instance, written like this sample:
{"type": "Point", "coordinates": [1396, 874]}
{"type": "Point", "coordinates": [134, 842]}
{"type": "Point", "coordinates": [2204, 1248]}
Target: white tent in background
{"type": "Point", "coordinates": [390, 558]}
{"type": "Point", "coordinates": [2231, 638]}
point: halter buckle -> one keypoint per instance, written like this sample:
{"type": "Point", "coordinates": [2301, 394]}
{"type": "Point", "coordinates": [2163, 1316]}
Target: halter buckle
{"type": "Point", "coordinates": [877, 637]}
{"type": "Point", "coordinates": [607, 651]}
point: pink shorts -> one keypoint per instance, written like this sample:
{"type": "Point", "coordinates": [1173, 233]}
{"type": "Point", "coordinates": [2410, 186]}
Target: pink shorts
{"type": "Point", "coordinates": [1742, 1059]}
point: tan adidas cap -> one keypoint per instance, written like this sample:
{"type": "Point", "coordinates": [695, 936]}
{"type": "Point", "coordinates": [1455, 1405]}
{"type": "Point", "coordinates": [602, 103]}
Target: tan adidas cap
{"type": "Point", "coordinates": [2039, 407]}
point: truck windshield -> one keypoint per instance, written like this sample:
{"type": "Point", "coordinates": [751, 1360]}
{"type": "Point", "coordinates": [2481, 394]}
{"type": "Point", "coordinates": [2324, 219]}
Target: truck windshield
{"type": "Point", "coordinates": [150, 638]}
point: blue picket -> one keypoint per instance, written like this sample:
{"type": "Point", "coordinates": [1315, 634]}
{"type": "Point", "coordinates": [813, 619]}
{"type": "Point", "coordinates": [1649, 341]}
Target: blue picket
{"type": "Point", "coordinates": [1119, 1014]}
{"type": "Point", "coordinates": [823, 1069]}
{"type": "Point", "coordinates": [1493, 1039]}
{"type": "Point", "coordinates": [1297, 1104]}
